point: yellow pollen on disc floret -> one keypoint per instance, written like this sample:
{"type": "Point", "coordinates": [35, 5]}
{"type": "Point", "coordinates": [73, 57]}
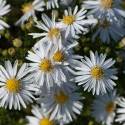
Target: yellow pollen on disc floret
{"type": "Point", "coordinates": [106, 3]}
{"type": "Point", "coordinates": [61, 97]}
{"type": "Point", "coordinates": [58, 56]}
{"type": "Point", "coordinates": [27, 7]}
{"type": "Point", "coordinates": [110, 107]}
{"type": "Point", "coordinates": [68, 20]}
{"type": "Point", "coordinates": [97, 72]}
{"type": "Point", "coordinates": [13, 85]}
{"type": "Point", "coordinates": [53, 33]}
{"type": "Point", "coordinates": [45, 65]}
{"type": "Point", "coordinates": [45, 121]}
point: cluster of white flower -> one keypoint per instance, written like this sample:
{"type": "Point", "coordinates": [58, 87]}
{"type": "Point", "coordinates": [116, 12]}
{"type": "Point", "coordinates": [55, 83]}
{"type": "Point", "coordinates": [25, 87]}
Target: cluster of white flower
{"type": "Point", "coordinates": [110, 15]}
{"type": "Point", "coordinates": [54, 71]}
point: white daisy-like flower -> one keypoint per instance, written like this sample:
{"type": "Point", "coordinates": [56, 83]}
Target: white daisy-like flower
{"type": "Point", "coordinates": [121, 111]}
{"type": "Point", "coordinates": [51, 4]}
{"type": "Point", "coordinates": [45, 70]}
{"type": "Point", "coordinates": [96, 74]}
{"type": "Point", "coordinates": [4, 9]}
{"type": "Point", "coordinates": [51, 33]}
{"type": "Point", "coordinates": [63, 103]}
{"type": "Point", "coordinates": [75, 22]}
{"type": "Point", "coordinates": [29, 10]}
{"type": "Point", "coordinates": [16, 88]}
{"type": "Point", "coordinates": [40, 117]}
{"type": "Point", "coordinates": [64, 56]}
{"type": "Point", "coordinates": [108, 31]}
{"type": "Point", "coordinates": [54, 33]}
{"type": "Point", "coordinates": [103, 108]}
{"type": "Point", "coordinates": [104, 9]}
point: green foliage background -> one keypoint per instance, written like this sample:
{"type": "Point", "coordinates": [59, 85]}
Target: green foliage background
{"type": "Point", "coordinates": [8, 50]}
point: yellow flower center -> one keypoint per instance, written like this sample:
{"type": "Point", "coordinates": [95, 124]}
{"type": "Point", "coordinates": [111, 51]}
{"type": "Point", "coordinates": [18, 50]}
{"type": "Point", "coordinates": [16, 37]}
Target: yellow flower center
{"type": "Point", "coordinates": [97, 72]}
{"type": "Point", "coordinates": [106, 4]}
{"type": "Point", "coordinates": [110, 107]}
{"type": "Point", "coordinates": [13, 85]}
{"type": "Point", "coordinates": [58, 56]}
{"type": "Point", "coordinates": [68, 20]}
{"type": "Point", "coordinates": [61, 97]}
{"type": "Point", "coordinates": [53, 33]}
{"type": "Point", "coordinates": [45, 65]}
{"type": "Point", "coordinates": [27, 7]}
{"type": "Point", "coordinates": [45, 121]}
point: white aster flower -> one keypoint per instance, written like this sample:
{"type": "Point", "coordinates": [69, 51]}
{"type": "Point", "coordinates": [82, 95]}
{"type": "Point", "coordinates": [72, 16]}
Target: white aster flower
{"type": "Point", "coordinates": [16, 88]}
{"type": "Point", "coordinates": [108, 31]}
{"type": "Point", "coordinates": [45, 70]}
{"type": "Point", "coordinates": [29, 10]}
{"type": "Point", "coordinates": [64, 56]}
{"type": "Point", "coordinates": [51, 4]}
{"type": "Point", "coordinates": [104, 9]}
{"type": "Point", "coordinates": [103, 108]}
{"type": "Point", "coordinates": [51, 33]}
{"type": "Point", "coordinates": [121, 111]}
{"type": "Point", "coordinates": [95, 74]}
{"type": "Point", "coordinates": [40, 117]}
{"type": "Point", "coordinates": [4, 9]}
{"type": "Point", "coordinates": [63, 103]}
{"type": "Point", "coordinates": [75, 22]}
